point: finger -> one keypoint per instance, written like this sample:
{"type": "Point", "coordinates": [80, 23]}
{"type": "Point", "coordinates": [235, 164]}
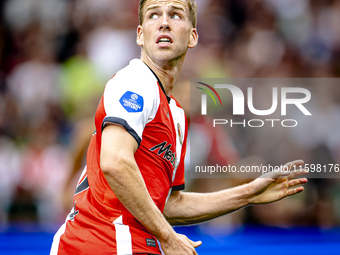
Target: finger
{"type": "Point", "coordinates": [294, 191]}
{"type": "Point", "coordinates": [298, 162]}
{"type": "Point", "coordinates": [295, 182]}
{"type": "Point", "coordinates": [285, 170]}
{"type": "Point", "coordinates": [277, 174]}
{"type": "Point", "coordinates": [290, 165]}
{"type": "Point", "coordinates": [194, 244]}
{"type": "Point", "coordinates": [193, 247]}
{"type": "Point", "coordinates": [194, 251]}
{"type": "Point", "coordinates": [297, 173]}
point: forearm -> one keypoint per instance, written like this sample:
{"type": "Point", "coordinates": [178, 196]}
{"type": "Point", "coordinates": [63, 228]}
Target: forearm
{"type": "Point", "coordinates": [127, 183]}
{"type": "Point", "coordinates": [193, 208]}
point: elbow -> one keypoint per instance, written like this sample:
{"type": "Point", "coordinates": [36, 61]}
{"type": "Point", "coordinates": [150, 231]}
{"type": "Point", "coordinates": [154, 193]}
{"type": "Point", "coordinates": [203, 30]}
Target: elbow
{"type": "Point", "coordinates": [111, 168]}
{"type": "Point", "coordinates": [117, 165]}
{"type": "Point", "coordinates": [106, 168]}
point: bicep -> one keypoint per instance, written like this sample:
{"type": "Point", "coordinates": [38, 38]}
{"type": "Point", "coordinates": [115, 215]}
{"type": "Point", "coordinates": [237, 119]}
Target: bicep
{"type": "Point", "coordinates": [116, 145]}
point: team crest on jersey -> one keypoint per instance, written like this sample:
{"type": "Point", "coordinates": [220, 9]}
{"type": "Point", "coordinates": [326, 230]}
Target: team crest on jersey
{"type": "Point", "coordinates": [132, 102]}
{"type": "Point", "coordinates": [180, 133]}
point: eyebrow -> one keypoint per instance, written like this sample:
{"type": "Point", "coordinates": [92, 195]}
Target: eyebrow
{"type": "Point", "coordinates": [178, 8]}
{"type": "Point", "coordinates": [155, 6]}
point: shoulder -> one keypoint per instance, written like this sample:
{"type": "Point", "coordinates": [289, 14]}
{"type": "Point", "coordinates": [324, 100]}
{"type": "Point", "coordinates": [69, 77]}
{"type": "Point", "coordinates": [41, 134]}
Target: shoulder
{"type": "Point", "coordinates": [136, 76]}
{"type": "Point", "coordinates": [134, 88]}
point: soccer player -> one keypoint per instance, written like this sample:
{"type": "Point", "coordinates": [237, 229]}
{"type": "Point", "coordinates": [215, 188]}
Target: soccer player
{"type": "Point", "coordinates": [129, 193]}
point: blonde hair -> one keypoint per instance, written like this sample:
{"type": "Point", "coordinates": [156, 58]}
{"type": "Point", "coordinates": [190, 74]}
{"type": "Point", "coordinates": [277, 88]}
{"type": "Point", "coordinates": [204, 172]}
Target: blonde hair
{"type": "Point", "coordinates": [192, 9]}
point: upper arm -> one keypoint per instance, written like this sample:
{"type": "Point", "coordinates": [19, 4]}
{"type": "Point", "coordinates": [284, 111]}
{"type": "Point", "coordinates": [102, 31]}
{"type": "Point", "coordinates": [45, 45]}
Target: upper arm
{"type": "Point", "coordinates": [117, 146]}
{"type": "Point", "coordinates": [128, 106]}
{"type": "Point", "coordinates": [174, 197]}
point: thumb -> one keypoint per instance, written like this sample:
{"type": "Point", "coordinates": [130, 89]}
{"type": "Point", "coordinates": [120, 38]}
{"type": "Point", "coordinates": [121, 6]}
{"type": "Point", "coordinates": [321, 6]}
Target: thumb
{"type": "Point", "coordinates": [195, 244]}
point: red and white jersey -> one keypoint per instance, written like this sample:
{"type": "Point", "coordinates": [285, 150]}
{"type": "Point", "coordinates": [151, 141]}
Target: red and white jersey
{"type": "Point", "coordinates": [99, 223]}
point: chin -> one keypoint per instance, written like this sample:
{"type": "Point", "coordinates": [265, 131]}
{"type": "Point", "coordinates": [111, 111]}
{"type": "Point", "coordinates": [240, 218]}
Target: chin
{"type": "Point", "coordinates": [164, 58]}
{"type": "Point", "coordinates": [167, 57]}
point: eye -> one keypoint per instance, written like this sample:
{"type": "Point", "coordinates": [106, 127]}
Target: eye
{"type": "Point", "coordinates": [175, 16]}
{"type": "Point", "coordinates": [154, 16]}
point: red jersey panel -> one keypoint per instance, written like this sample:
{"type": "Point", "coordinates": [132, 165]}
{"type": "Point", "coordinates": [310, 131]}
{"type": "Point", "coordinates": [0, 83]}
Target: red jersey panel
{"type": "Point", "coordinates": [99, 222]}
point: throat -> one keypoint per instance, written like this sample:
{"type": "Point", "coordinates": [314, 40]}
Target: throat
{"type": "Point", "coordinates": [168, 79]}
{"type": "Point", "coordinates": [167, 74]}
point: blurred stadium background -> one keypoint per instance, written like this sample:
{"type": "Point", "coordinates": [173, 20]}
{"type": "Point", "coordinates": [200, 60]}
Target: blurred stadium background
{"type": "Point", "coordinates": [55, 59]}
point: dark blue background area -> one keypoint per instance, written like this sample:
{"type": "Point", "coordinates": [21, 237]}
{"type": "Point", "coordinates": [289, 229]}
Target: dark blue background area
{"type": "Point", "coordinates": [32, 239]}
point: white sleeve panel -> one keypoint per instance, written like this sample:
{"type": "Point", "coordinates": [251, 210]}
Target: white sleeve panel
{"type": "Point", "coordinates": [131, 98]}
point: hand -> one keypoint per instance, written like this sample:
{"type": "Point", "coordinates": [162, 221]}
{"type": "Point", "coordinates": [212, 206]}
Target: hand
{"type": "Point", "coordinates": [274, 186]}
{"type": "Point", "coordinates": [180, 245]}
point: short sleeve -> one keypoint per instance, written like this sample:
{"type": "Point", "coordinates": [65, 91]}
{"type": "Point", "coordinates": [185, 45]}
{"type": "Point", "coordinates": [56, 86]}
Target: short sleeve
{"type": "Point", "coordinates": [130, 102]}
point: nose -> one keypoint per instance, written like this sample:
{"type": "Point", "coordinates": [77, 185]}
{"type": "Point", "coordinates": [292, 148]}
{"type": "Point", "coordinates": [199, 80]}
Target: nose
{"type": "Point", "coordinates": [164, 23]}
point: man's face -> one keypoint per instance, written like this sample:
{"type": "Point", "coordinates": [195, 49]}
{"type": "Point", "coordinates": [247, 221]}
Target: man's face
{"type": "Point", "coordinates": [166, 32]}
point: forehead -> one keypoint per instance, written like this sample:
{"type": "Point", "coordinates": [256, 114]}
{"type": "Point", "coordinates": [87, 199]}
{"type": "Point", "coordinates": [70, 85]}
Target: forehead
{"type": "Point", "coordinates": [182, 4]}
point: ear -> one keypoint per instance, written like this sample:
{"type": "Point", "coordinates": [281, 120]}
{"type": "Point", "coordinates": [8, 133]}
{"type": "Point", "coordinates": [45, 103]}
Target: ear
{"type": "Point", "coordinates": [193, 38]}
{"type": "Point", "coordinates": [140, 36]}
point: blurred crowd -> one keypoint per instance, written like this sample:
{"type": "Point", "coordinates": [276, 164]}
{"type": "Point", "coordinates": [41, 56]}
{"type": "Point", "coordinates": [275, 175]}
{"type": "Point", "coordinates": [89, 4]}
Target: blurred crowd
{"type": "Point", "coordinates": [57, 55]}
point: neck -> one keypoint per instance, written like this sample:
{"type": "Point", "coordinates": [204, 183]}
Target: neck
{"type": "Point", "coordinates": [167, 72]}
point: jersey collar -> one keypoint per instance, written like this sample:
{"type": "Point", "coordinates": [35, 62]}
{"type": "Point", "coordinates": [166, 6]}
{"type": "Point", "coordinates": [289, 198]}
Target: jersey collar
{"type": "Point", "coordinates": [160, 83]}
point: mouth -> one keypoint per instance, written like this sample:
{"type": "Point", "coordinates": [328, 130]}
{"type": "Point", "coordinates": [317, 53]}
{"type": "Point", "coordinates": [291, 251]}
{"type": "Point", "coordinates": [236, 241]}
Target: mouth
{"type": "Point", "coordinates": [164, 40]}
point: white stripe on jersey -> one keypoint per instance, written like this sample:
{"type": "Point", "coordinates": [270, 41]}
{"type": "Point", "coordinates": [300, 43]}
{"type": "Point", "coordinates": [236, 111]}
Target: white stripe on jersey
{"type": "Point", "coordinates": [178, 117]}
{"type": "Point", "coordinates": [56, 239]}
{"type": "Point", "coordinates": [82, 175]}
{"type": "Point", "coordinates": [160, 247]}
{"type": "Point", "coordinates": [123, 237]}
